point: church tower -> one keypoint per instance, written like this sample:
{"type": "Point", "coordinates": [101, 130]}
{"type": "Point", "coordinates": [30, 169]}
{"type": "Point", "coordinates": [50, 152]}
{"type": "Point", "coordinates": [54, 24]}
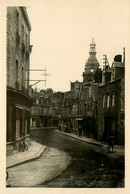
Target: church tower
{"type": "Point", "coordinates": [91, 65]}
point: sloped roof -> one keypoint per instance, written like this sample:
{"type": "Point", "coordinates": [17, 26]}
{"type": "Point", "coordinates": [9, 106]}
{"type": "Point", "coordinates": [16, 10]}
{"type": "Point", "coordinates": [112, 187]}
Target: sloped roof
{"type": "Point", "coordinates": [92, 93]}
{"type": "Point", "coordinates": [92, 60]}
{"type": "Point", "coordinates": [83, 92]}
{"type": "Point", "coordinates": [68, 98]}
{"type": "Point", "coordinates": [118, 64]}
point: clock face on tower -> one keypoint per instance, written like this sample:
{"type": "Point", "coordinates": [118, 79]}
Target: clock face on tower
{"type": "Point", "coordinates": [91, 70]}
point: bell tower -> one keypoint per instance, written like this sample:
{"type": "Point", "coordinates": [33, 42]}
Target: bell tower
{"type": "Point", "coordinates": [91, 65]}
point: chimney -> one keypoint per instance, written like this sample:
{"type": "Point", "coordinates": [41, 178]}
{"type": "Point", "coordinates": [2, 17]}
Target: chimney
{"type": "Point", "coordinates": [118, 58]}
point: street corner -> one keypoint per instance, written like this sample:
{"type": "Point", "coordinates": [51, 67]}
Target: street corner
{"type": "Point", "coordinates": [34, 152]}
{"type": "Point", "coordinates": [51, 164]}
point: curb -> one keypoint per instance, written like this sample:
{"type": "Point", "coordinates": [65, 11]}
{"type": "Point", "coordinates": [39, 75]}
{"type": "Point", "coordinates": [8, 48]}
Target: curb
{"type": "Point", "coordinates": [93, 143]}
{"type": "Point", "coordinates": [37, 156]}
{"type": "Point", "coordinates": [60, 171]}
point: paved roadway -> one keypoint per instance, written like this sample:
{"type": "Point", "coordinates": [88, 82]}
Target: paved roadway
{"type": "Point", "coordinates": [89, 168]}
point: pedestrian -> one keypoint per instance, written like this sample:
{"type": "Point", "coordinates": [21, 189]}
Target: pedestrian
{"type": "Point", "coordinates": [80, 131]}
{"type": "Point", "coordinates": [65, 128]}
{"type": "Point", "coordinates": [71, 128]}
{"type": "Point", "coordinates": [110, 143]}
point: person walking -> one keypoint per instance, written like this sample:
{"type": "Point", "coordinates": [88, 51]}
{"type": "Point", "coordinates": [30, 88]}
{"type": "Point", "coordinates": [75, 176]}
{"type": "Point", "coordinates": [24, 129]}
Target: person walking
{"type": "Point", "coordinates": [110, 143]}
{"type": "Point", "coordinates": [80, 131]}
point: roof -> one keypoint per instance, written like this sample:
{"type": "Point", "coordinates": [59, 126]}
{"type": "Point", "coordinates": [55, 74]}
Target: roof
{"type": "Point", "coordinates": [111, 82]}
{"type": "Point", "coordinates": [92, 94]}
{"type": "Point", "coordinates": [68, 98]}
{"type": "Point", "coordinates": [92, 59]}
{"type": "Point", "coordinates": [118, 64]}
{"type": "Point", "coordinates": [84, 91]}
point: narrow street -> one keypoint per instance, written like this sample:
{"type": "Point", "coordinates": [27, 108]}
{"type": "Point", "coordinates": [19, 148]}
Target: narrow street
{"type": "Point", "coordinates": [89, 168]}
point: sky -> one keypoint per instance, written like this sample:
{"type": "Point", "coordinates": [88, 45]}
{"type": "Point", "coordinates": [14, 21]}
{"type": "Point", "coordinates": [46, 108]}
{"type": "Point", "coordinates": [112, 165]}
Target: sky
{"type": "Point", "coordinates": [61, 34]}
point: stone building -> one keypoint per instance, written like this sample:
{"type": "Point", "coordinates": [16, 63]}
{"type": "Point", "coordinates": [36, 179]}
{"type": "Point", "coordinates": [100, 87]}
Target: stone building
{"type": "Point", "coordinates": [67, 109]}
{"type": "Point", "coordinates": [57, 102]}
{"type": "Point", "coordinates": [111, 111]}
{"type": "Point", "coordinates": [89, 123]}
{"type": "Point", "coordinates": [87, 101]}
{"type": "Point", "coordinates": [41, 111]}
{"type": "Point", "coordinates": [19, 100]}
{"type": "Point", "coordinates": [82, 108]}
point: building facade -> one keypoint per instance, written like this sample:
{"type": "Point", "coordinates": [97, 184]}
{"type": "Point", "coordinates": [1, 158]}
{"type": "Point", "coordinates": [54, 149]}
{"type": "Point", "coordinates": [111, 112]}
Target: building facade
{"type": "Point", "coordinates": [111, 109]}
{"type": "Point", "coordinates": [82, 109]}
{"type": "Point", "coordinates": [46, 109]}
{"type": "Point", "coordinates": [41, 111]}
{"type": "Point", "coordinates": [19, 100]}
{"type": "Point", "coordinates": [90, 110]}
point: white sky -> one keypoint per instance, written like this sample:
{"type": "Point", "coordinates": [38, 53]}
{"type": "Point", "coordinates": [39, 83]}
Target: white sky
{"type": "Point", "coordinates": [62, 31]}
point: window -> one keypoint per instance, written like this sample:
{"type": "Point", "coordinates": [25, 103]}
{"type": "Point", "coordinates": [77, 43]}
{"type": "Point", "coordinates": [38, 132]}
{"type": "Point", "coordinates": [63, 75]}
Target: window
{"type": "Point", "coordinates": [113, 99]}
{"type": "Point", "coordinates": [26, 78]}
{"type": "Point", "coordinates": [22, 77]}
{"type": "Point", "coordinates": [37, 101]}
{"type": "Point", "coordinates": [108, 100]}
{"type": "Point", "coordinates": [89, 107]}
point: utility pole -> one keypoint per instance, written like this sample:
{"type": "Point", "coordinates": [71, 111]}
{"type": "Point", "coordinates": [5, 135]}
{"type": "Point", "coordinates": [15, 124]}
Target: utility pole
{"type": "Point", "coordinates": [45, 74]}
{"type": "Point", "coordinates": [37, 81]}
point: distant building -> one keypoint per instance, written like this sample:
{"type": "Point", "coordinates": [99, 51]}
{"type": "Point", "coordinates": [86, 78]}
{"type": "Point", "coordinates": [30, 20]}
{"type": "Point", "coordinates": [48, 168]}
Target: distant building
{"type": "Point", "coordinates": [85, 97]}
{"type": "Point", "coordinates": [80, 104]}
{"type": "Point", "coordinates": [19, 100]}
{"type": "Point", "coordinates": [57, 102]}
{"type": "Point", "coordinates": [67, 111]}
{"type": "Point", "coordinates": [89, 122]}
{"type": "Point", "coordinates": [41, 111]}
{"type": "Point", "coordinates": [46, 109]}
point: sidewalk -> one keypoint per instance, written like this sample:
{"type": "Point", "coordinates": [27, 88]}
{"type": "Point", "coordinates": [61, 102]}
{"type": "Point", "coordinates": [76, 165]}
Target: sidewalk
{"type": "Point", "coordinates": [32, 168]}
{"type": "Point", "coordinates": [118, 149]}
{"type": "Point", "coordinates": [34, 152]}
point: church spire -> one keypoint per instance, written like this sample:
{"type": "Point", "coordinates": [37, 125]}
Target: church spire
{"type": "Point", "coordinates": [91, 65]}
{"type": "Point", "coordinates": [92, 50]}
